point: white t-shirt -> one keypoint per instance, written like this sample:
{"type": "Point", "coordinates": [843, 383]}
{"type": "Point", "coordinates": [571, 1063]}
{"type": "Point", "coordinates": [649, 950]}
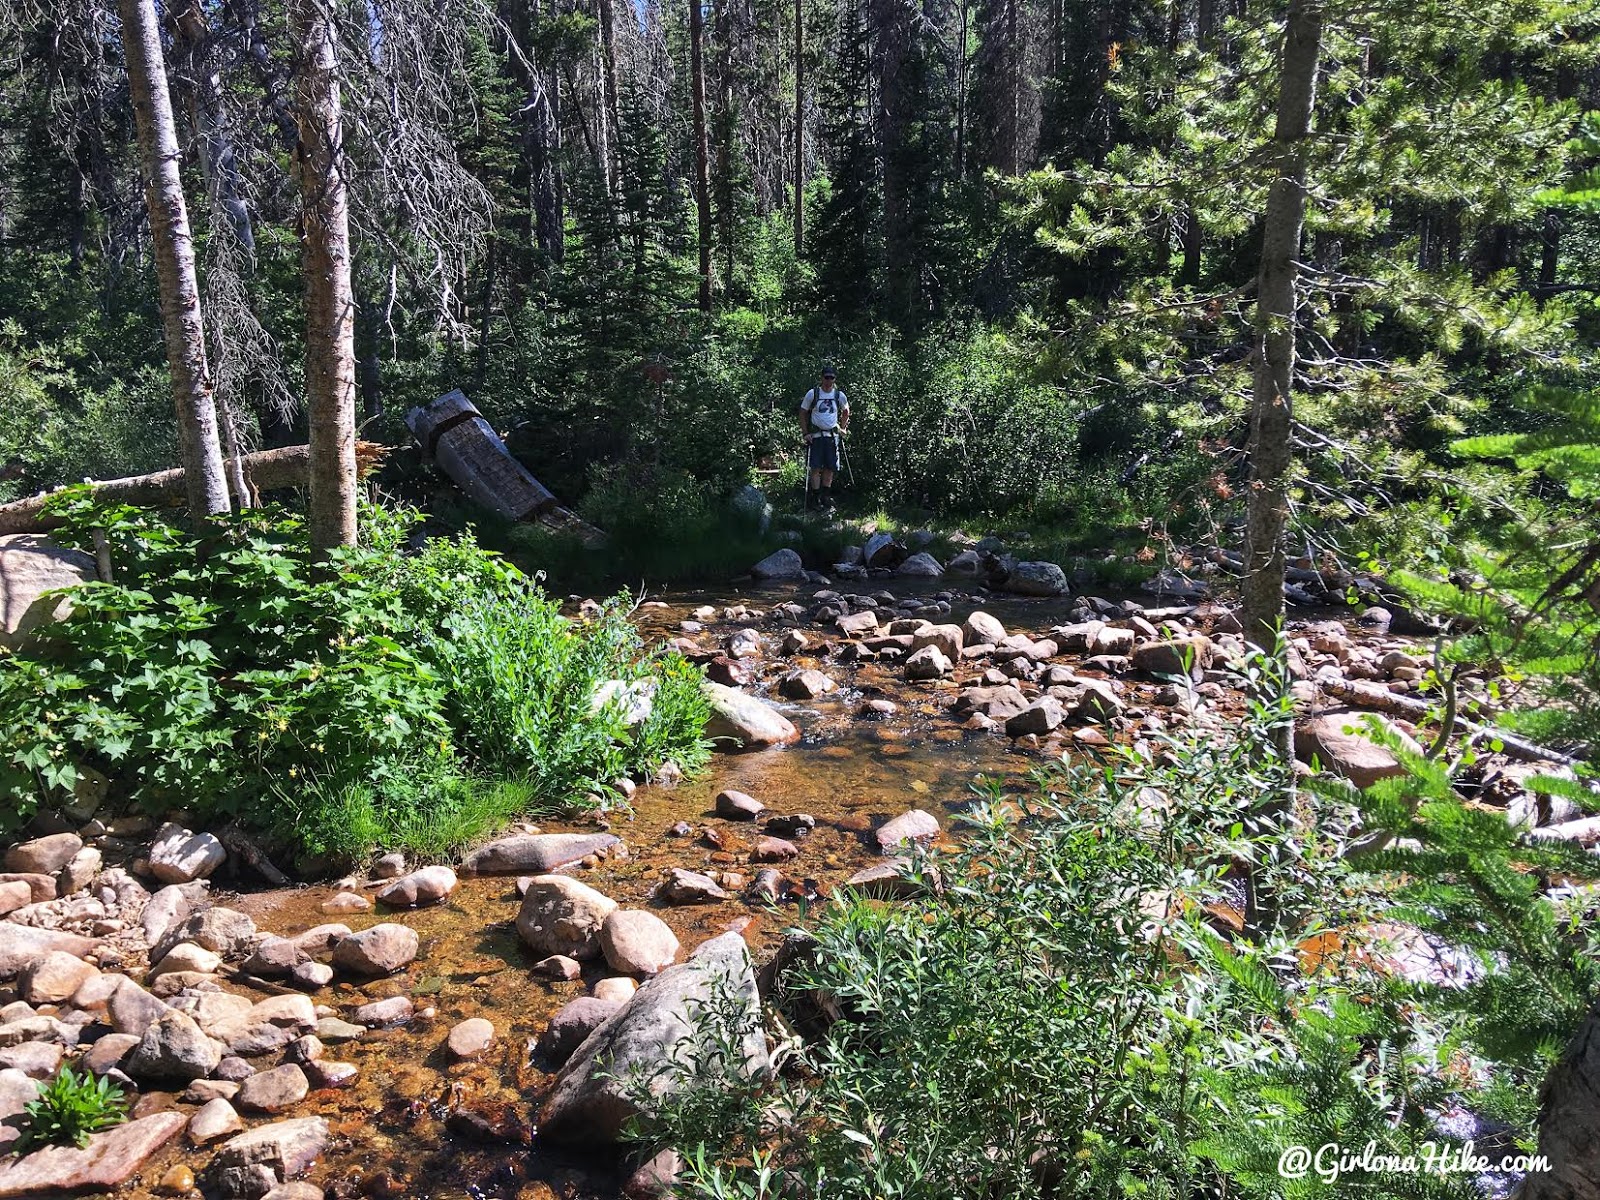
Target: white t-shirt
{"type": "Point", "coordinates": [825, 407]}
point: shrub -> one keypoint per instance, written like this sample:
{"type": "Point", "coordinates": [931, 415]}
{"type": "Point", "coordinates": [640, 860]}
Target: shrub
{"type": "Point", "coordinates": [69, 1109]}
{"type": "Point", "coordinates": [231, 674]}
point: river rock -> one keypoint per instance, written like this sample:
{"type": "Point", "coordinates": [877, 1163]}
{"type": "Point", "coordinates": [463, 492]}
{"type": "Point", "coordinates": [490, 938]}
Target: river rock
{"type": "Point", "coordinates": [80, 871]}
{"type": "Point", "coordinates": [1190, 654]}
{"type": "Point", "coordinates": [879, 550]}
{"type": "Point", "coordinates": [557, 966]}
{"type": "Point", "coordinates": [805, 685]}
{"type": "Point", "coordinates": [30, 566]}
{"type": "Point", "coordinates": [429, 885]}
{"type": "Point", "coordinates": [132, 1009]}
{"type": "Point", "coordinates": [107, 1052]}
{"type": "Point", "coordinates": [981, 629]}
{"type": "Point", "coordinates": [267, 1025]}
{"type": "Point", "coordinates": [589, 1103]}
{"type": "Point", "coordinates": [286, 1149]}
{"type": "Point", "coordinates": [997, 703]}
{"type": "Point", "coordinates": [948, 638]}
{"type": "Point", "coordinates": [859, 624]}
{"type": "Point", "coordinates": [187, 956]}
{"type": "Point", "coordinates": [109, 1160]}
{"type": "Point", "coordinates": [691, 887]}
{"type": "Point", "coordinates": [928, 663]}
{"type": "Point", "coordinates": [1342, 743]}
{"type": "Point", "coordinates": [1040, 718]}
{"type": "Point", "coordinates": [620, 988]}
{"type": "Point", "coordinates": [224, 930]}
{"type": "Point", "coordinates": [43, 856]}
{"type": "Point", "coordinates": [636, 942]}
{"type": "Point", "coordinates": [332, 1029]}
{"type": "Point", "coordinates": [774, 849]}
{"type": "Point", "coordinates": [784, 564]}
{"type": "Point", "coordinates": [165, 908]}
{"type": "Point", "coordinates": [13, 895]}
{"type": "Point", "coordinates": [54, 978]}
{"type": "Point", "coordinates": [737, 806]}
{"type": "Point", "coordinates": [470, 1038]}
{"type": "Point", "coordinates": [275, 1090]}
{"type": "Point", "coordinates": [173, 1050]}
{"type": "Point", "coordinates": [743, 722]}
{"type": "Point", "coordinates": [562, 916]}
{"type": "Point", "coordinates": [276, 957]}
{"type": "Point", "coordinates": [215, 1120]}
{"type": "Point", "coordinates": [536, 853]}
{"type": "Point", "coordinates": [179, 855]}
{"type": "Point", "coordinates": [36, 1060]}
{"type": "Point", "coordinates": [346, 902]}
{"type": "Point", "coordinates": [571, 1027]}
{"type": "Point", "coordinates": [921, 565]}
{"type": "Point", "coordinates": [379, 950]}
{"type": "Point", "coordinates": [1037, 579]}
{"type": "Point", "coordinates": [912, 826]}
{"type": "Point", "coordinates": [381, 1014]}
{"type": "Point", "coordinates": [23, 945]}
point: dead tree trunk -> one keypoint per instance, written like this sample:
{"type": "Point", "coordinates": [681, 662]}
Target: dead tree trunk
{"type": "Point", "coordinates": [702, 167]}
{"type": "Point", "coordinates": [330, 301]}
{"type": "Point", "coordinates": [799, 127]}
{"type": "Point", "coordinates": [1271, 411]}
{"type": "Point", "coordinates": [173, 245]}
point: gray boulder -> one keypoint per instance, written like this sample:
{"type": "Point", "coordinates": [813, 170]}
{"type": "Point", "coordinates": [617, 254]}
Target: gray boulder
{"type": "Point", "coordinates": [650, 1041]}
{"type": "Point", "coordinates": [1037, 579]}
{"type": "Point", "coordinates": [30, 567]}
{"type": "Point", "coordinates": [921, 565]}
{"type": "Point", "coordinates": [743, 722]}
{"type": "Point", "coordinates": [535, 854]}
{"type": "Point", "coordinates": [173, 1050]}
{"type": "Point", "coordinates": [784, 564]}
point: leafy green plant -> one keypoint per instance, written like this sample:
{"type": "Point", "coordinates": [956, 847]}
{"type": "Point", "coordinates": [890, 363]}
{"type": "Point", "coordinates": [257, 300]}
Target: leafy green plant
{"type": "Point", "coordinates": [70, 1108]}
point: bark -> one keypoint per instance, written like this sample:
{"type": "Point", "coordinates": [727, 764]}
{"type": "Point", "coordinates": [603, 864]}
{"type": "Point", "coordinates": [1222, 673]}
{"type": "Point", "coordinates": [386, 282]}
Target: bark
{"type": "Point", "coordinates": [702, 171]}
{"type": "Point", "coordinates": [263, 471]}
{"type": "Point", "coordinates": [173, 248]}
{"type": "Point", "coordinates": [1271, 407]}
{"type": "Point", "coordinates": [1569, 1122]}
{"type": "Point", "coordinates": [799, 127]}
{"type": "Point", "coordinates": [608, 86]}
{"type": "Point", "coordinates": [330, 301]}
{"type": "Point", "coordinates": [217, 158]}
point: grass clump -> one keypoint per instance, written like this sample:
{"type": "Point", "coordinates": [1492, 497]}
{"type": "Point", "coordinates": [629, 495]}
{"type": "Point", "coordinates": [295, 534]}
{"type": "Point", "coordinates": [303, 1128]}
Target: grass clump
{"type": "Point", "coordinates": [70, 1108]}
{"type": "Point", "coordinates": [385, 696]}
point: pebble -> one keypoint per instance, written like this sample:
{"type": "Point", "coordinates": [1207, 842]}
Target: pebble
{"type": "Point", "coordinates": [178, 1181]}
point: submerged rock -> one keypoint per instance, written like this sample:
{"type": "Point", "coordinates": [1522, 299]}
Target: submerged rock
{"type": "Point", "coordinates": [536, 853]}
{"type": "Point", "coordinates": [743, 722]}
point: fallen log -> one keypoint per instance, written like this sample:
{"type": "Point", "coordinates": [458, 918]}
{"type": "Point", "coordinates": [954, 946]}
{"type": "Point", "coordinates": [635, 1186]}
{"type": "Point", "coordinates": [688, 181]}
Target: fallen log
{"type": "Point", "coordinates": [455, 437]}
{"type": "Point", "coordinates": [264, 471]}
{"type": "Point", "coordinates": [1382, 700]}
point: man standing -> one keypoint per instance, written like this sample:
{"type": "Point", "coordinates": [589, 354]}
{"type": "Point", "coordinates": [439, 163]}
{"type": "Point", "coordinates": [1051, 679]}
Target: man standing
{"type": "Point", "coordinates": [824, 416]}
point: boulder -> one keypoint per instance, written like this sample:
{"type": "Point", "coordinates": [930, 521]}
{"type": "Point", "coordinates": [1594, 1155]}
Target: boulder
{"type": "Point", "coordinates": [571, 1027]}
{"type": "Point", "coordinates": [536, 853]}
{"type": "Point", "coordinates": [999, 703]}
{"type": "Point", "coordinates": [346, 902]}
{"type": "Point", "coordinates": [560, 916]}
{"type": "Point", "coordinates": [928, 663]}
{"type": "Point", "coordinates": [179, 855]}
{"type": "Point", "coordinates": [1342, 743]}
{"type": "Point", "coordinates": [636, 942]}
{"type": "Point", "coordinates": [109, 1160]}
{"type": "Point", "coordinates": [43, 856]}
{"type": "Point", "coordinates": [132, 1009]}
{"type": "Point", "coordinates": [215, 1120]}
{"type": "Point", "coordinates": [55, 978]}
{"type": "Point", "coordinates": [752, 504]}
{"type": "Point", "coordinates": [805, 685]}
{"type": "Point", "coordinates": [743, 722]}
{"type": "Point", "coordinates": [1040, 718]}
{"type": "Point", "coordinates": [276, 957]}
{"type": "Point", "coordinates": [590, 1102]}
{"type": "Point", "coordinates": [420, 888]}
{"type": "Point", "coordinates": [285, 1150]}
{"type": "Point", "coordinates": [174, 1049]}
{"type": "Point", "coordinates": [784, 564]}
{"type": "Point", "coordinates": [36, 1060]}
{"type": "Point", "coordinates": [80, 871]}
{"type": "Point", "coordinates": [691, 887]}
{"type": "Point", "coordinates": [620, 988]}
{"type": "Point", "coordinates": [1187, 655]}
{"type": "Point", "coordinates": [968, 562]}
{"type": "Point", "coordinates": [1037, 579]}
{"type": "Point", "coordinates": [912, 826]}
{"type": "Point", "coordinates": [858, 624]}
{"type": "Point", "coordinates": [980, 629]}
{"type": "Point", "coordinates": [108, 1052]}
{"type": "Point", "coordinates": [378, 950]}
{"type": "Point", "coordinates": [275, 1090]}
{"type": "Point", "coordinates": [23, 945]}
{"type": "Point", "coordinates": [382, 1014]}
{"type": "Point", "coordinates": [470, 1038]}
{"type": "Point", "coordinates": [737, 806]}
{"type": "Point", "coordinates": [879, 550]}
{"type": "Point", "coordinates": [948, 638]}
{"type": "Point", "coordinates": [921, 565]}
{"type": "Point", "coordinates": [186, 956]}
{"type": "Point", "coordinates": [41, 888]}
{"type": "Point", "coordinates": [223, 930]}
{"type": "Point", "coordinates": [32, 566]}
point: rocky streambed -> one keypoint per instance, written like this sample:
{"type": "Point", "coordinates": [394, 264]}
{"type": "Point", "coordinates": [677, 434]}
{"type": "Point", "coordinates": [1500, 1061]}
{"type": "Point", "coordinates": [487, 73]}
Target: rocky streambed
{"type": "Point", "coordinates": [435, 1030]}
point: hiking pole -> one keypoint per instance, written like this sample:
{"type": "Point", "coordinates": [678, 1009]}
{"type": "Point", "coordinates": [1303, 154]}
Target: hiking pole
{"type": "Point", "coordinates": [805, 465]}
{"type": "Point", "coordinates": [845, 454]}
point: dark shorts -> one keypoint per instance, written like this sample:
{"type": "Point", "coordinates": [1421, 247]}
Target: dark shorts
{"type": "Point", "coordinates": [824, 453]}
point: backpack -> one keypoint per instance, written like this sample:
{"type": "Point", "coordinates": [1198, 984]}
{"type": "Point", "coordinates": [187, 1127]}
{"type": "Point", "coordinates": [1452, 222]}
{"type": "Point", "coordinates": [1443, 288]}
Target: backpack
{"type": "Point", "coordinates": [825, 405]}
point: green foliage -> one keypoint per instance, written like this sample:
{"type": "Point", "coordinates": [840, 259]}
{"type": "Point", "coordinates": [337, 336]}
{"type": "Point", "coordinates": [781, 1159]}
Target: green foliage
{"type": "Point", "coordinates": [423, 696]}
{"type": "Point", "coordinates": [69, 1109]}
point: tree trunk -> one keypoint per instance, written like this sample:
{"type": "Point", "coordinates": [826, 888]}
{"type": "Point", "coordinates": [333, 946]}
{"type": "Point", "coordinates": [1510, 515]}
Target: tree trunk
{"type": "Point", "coordinates": [217, 158]}
{"type": "Point", "coordinates": [702, 170]}
{"type": "Point", "coordinates": [330, 302]}
{"type": "Point", "coordinates": [1270, 413]}
{"type": "Point", "coordinates": [1569, 1123]}
{"type": "Point", "coordinates": [799, 127]}
{"type": "Point", "coordinates": [173, 247]}
{"type": "Point", "coordinates": [608, 87]}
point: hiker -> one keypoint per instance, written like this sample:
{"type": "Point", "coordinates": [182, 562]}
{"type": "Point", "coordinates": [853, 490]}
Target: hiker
{"type": "Point", "coordinates": [824, 416]}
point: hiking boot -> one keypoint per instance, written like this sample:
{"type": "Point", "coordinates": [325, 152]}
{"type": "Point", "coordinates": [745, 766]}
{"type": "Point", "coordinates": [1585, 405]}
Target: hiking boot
{"type": "Point", "coordinates": [826, 504]}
